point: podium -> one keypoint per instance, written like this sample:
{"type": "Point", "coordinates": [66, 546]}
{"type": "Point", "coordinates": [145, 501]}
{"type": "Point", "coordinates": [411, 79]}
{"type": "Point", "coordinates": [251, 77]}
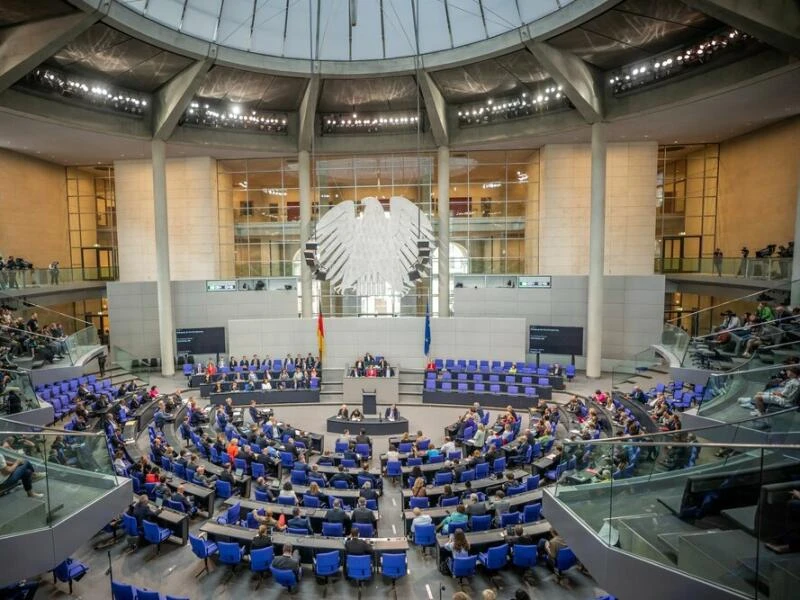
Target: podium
{"type": "Point", "coordinates": [369, 400]}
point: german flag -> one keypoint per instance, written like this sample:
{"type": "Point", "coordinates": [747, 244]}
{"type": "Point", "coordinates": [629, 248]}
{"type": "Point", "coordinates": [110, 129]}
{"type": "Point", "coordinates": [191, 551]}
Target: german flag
{"type": "Point", "coordinates": [320, 335]}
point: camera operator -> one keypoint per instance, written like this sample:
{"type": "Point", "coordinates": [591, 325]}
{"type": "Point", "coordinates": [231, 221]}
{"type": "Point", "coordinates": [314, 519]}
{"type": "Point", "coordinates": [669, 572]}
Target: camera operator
{"type": "Point", "coordinates": [743, 265]}
{"type": "Point", "coordinates": [11, 273]}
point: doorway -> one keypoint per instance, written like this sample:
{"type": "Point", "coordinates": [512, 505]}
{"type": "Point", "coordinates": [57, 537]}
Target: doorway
{"type": "Point", "coordinates": [98, 263]}
{"type": "Point", "coordinates": [681, 253]}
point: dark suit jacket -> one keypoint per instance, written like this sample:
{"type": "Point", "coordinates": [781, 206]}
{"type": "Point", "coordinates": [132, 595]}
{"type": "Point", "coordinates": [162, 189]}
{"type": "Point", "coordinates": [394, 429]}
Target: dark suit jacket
{"type": "Point", "coordinates": [299, 523]}
{"type": "Point", "coordinates": [363, 515]}
{"type": "Point", "coordinates": [391, 414]}
{"type": "Point", "coordinates": [336, 515]}
{"type": "Point", "coordinates": [285, 562]}
{"type": "Point", "coordinates": [357, 546]}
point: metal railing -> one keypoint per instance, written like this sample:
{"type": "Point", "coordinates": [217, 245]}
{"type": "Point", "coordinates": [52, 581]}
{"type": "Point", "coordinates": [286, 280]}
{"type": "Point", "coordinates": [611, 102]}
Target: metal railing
{"type": "Point", "coordinates": [773, 268]}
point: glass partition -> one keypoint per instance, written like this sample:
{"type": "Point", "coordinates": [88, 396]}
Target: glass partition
{"type": "Point", "coordinates": [675, 340]}
{"type": "Point", "coordinates": [50, 474]}
{"type": "Point", "coordinates": [81, 342]}
{"type": "Point", "coordinates": [717, 511]}
{"type": "Point", "coordinates": [771, 268]}
{"type": "Point", "coordinates": [127, 361]}
{"type": "Point", "coordinates": [16, 392]}
{"type": "Point", "coordinates": [38, 277]}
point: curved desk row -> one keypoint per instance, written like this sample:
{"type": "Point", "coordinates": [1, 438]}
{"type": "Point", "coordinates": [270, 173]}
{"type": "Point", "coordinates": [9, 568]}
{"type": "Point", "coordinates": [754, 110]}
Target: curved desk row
{"type": "Point", "coordinates": [370, 425]}
{"type": "Point", "coordinates": [267, 397]}
{"type": "Point", "coordinates": [485, 399]}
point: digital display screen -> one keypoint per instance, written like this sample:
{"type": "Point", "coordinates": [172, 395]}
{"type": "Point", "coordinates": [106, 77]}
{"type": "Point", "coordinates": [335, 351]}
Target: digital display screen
{"type": "Point", "coordinates": [224, 285]}
{"type": "Point", "coordinates": [200, 340]}
{"type": "Point", "coordinates": [535, 281]}
{"type": "Point", "coordinates": [555, 339]}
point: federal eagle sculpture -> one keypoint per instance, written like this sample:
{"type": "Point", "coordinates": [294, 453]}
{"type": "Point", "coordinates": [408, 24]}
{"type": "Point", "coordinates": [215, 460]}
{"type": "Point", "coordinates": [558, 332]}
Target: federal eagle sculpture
{"type": "Point", "coordinates": [363, 250]}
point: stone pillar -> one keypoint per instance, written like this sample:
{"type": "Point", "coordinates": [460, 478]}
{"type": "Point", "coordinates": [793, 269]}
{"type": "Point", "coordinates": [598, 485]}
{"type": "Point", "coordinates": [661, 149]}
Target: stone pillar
{"type": "Point", "coordinates": [304, 171]}
{"type": "Point", "coordinates": [594, 334]}
{"type": "Point", "coordinates": [444, 231]}
{"type": "Point", "coordinates": [166, 329]}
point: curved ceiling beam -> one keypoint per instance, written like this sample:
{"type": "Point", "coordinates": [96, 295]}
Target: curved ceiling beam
{"type": "Point", "coordinates": [435, 108]}
{"type": "Point", "coordinates": [581, 82]}
{"type": "Point", "coordinates": [776, 22]}
{"type": "Point", "coordinates": [172, 99]}
{"type": "Point", "coordinates": [308, 114]}
{"type": "Point", "coordinates": [24, 47]}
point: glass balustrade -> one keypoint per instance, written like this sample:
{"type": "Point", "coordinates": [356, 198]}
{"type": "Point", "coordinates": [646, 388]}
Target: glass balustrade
{"type": "Point", "coordinates": [773, 268]}
{"type": "Point", "coordinates": [65, 471]}
{"type": "Point", "coordinates": [16, 392]}
{"type": "Point", "coordinates": [44, 277]}
{"type": "Point", "coordinates": [723, 512]}
{"type": "Point", "coordinates": [130, 363]}
{"type": "Point", "coordinates": [82, 342]}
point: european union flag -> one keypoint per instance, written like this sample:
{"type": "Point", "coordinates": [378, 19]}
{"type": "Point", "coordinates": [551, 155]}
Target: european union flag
{"type": "Point", "coordinates": [427, 329]}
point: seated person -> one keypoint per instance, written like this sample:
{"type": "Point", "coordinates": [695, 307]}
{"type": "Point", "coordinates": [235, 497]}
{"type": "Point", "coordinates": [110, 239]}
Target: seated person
{"type": "Point", "coordinates": [287, 491]}
{"type": "Point", "coordinates": [13, 472]}
{"type": "Point", "coordinates": [336, 514]}
{"type": "Point", "coordinates": [784, 397]}
{"type": "Point", "coordinates": [358, 369]}
{"type": "Point", "coordinates": [343, 412]}
{"type": "Point", "coordinates": [356, 415]}
{"type": "Point", "coordinates": [392, 414]}
{"type": "Point", "coordinates": [368, 492]}
{"type": "Point", "coordinates": [262, 540]}
{"type": "Point", "coordinates": [299, 522]}
{"type": "Point", "coordinates": [355, 545]}
{"type": "Point", "coordinates": [520, 537]}
{"type": "Point", "coordinates": [180, 496]}
{"type": "Point", "coordinates": [340, 475]}
{"type": "Point", "coordinates": [372, 371]}
{"type": "Point", "coordinates": [361, 514]}
{"type": "Point", "coordinates": [455, 520]}
{"type": "Point", "coordinates": [289, 560]}
{"type": "Point", "coordinates": [420, 518]}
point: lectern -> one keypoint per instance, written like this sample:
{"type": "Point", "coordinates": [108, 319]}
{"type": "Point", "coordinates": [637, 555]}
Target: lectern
{"type": "Point", "coordinates": [369, 402]}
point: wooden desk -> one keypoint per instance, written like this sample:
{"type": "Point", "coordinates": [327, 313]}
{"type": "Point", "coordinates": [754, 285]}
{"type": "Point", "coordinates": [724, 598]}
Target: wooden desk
{"type": "Point", "coordinates": [176, 522]}
{"type": "Point", "coordinates": [203, 497]}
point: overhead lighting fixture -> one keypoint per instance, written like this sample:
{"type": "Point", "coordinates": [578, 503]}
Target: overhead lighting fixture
{"type": "Point", "coordinates": [208, 115]}
{"type": "Point", "coordinates": [355, 123]}
{"type": "Point", "coordinates": [547, 97]}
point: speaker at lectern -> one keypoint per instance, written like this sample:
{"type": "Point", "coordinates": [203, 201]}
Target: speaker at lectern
{"type": "Point", "coordinates": [369, 402]}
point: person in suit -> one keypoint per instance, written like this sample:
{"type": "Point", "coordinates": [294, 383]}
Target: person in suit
{"type": "Point", "coordinates": [262, 540]}
{"type": "Point", "coordinates": [244, 362]}
{"type": "Point", "coordinates": [556, 370]}
{"type": "Point", "coordinates": [227, 474]}
{"type": "Point", "coordinates": [392, 414]}
{"type": "Point", "coordinates": [343, 412]}
{"type": "Point", "coordinates": [180, 496]}
{"type": "Point", "coordinates": [255, 363]}
{"type": "Point", "coordinates": [363, 438]}
{"type": "Point", "coordinates": [142, 511]}
{"type": "Point", "coordinates": [475, 508]}
{"type": "Point", "coordinates": [299, 522]}
{"type": "Point", "coordinates": [289, 560]}
{"type": "Point", "coordinates": [335, 514]}
{"type": "Point", "coordinates": [368, 492]}
{"type": "Point", "coordinates": [355, 545]}
{"type": "Point", "coordinates": [341, 475]}
{"type": "Point", "coordinates": [361, 514]}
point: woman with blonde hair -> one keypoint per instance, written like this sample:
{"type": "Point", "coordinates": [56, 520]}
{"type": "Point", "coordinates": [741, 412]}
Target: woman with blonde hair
{"type": "Point", "coordinates": [419, 490]}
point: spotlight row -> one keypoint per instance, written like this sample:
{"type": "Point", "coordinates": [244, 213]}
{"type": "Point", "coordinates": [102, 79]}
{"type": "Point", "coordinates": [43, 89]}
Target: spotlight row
{"type": "Point", "coordinates": [523, 105]}
{"type": "Point", "coordinates": [51, 81]}
{"type": "Point", "coordinates": [677, 61]}
{"type": "Point", "coordinates": [332, 123]}
{"type": "Point", "coordinates": [207, 115]}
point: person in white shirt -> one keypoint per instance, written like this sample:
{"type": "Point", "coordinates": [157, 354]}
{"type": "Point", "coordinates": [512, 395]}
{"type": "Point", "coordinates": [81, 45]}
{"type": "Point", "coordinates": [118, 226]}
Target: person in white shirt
{"type": "Point", "coordinates": [420, 519]}
{"type": "Point", "coordinates": [448, 447]}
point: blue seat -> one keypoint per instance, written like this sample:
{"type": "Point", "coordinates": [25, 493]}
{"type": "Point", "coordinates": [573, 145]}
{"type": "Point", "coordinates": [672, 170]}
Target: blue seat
{"type": "Point", "coordinates": [262, 496]}
{"type": "Point", "coordinates": [480, 522]}
{"type": "Point", "coordinates": [333, 529]}
{"type": "Point", "coordinates": [365, 530]}
{"type": "Point", "coordinates": [509, 518]}
{"type": "Point", "coordinates": [495, 558]}
{"type": "Point", "coordinates": [499, 465]}
{"type": "Point", "coordinates": [404, 447]}
{"type": "Point", "coordinates": [145, 594]}
{"type": "Point", "coordinates": [421, 502]}
{"type": "Point", "coordinates": [461, 567]}
{"type": "Point", "coordinates": [231, 554]}
{"type": "Point", "coordinates": [363, 450]}
{"type": "Point", "coordinates": [232, 515]}
{"type": "Point", "coordinates": [570, 372]}
{"type": "Point", "coordinates": [555, 474]}
{"type": "Point", "coordinates": [155, 534]}
{"type": "Point", "coordinates": [260, 560]}
{"type": "Point", "coordinates": [468, 475]}
{"type": "Point", "coordinates": [524, 556]}
{"type": "Point", "coordinates": [172, 505]}
{"type": "Point", "coordinates": [565, 559]}
{"type": "Point", "coordinates": [359, 568]}
{"type": "Point", "coordinates": [287, 500]}
{"type": "Point", "coordinates": [240, 464]}
{"type": "Point", "coordinates": [327, 564]}
{"type": "Point", "coordinates": [122, 591]}
{"type": "Point", "coordinates": [481, 470]}
{"type": "Point", "coordinates": [532, 513]}
{"type": "Point", "coordinates": [425, 535]}
{"type": "Point", "coordinates": [285, 577]}
{"type": "Point", "coordinates": [513, 490]}
{"type": "Point", "coordinates": [257, 470]}
{"type": "Point", "coordinates": [310, 501]}
{"type": "Point", "coordinates": [449, 501]}
{"type": "Point", "coordinates": [298, 531]}
{"type": "Point", "coordinates": [341, 484]}
{"type": "Point", "coordinates": [298, 477]}
{"type": "Point", "coordinates": [70, 570]}
{"type": "Point", "coordinates": [348, 463]}
{"type": "Point", "coordinates": [414, 461]}
{"type": "Point", "coordinates": [443, 478]}
{"type": "Point", "coordinates": [394, 566]}
{"type": "Point", "coordinates": [223, 489]}
{"type": "Point", "coordinates": [287, 460]}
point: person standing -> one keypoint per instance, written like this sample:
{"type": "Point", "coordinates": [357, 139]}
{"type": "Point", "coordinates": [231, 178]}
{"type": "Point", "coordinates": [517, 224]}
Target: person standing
{"type": "Point", "coordinates": [53, 268]}
{"type": "Point", "coordinates": [101, 363]}
{"type": "Point", "coordinates": [718, 261]}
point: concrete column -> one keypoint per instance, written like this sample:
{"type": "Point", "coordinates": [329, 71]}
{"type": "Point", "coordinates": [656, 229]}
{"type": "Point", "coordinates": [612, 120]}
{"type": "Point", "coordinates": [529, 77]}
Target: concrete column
{"type": "Point", "coordinates": [166, 329]}
{"type": "Point", "coordinates": [444, 231]}
{"type": "Point", "coordinates": [795, 276]}
{"type": "Point", "coordinates": [304, 171]}
{"type": "Point", "coordinates": [597, 223]}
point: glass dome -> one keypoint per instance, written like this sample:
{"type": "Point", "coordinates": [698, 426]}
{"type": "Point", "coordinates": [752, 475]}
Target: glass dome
{"type": "Point", "coordinates": [343, 30]}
